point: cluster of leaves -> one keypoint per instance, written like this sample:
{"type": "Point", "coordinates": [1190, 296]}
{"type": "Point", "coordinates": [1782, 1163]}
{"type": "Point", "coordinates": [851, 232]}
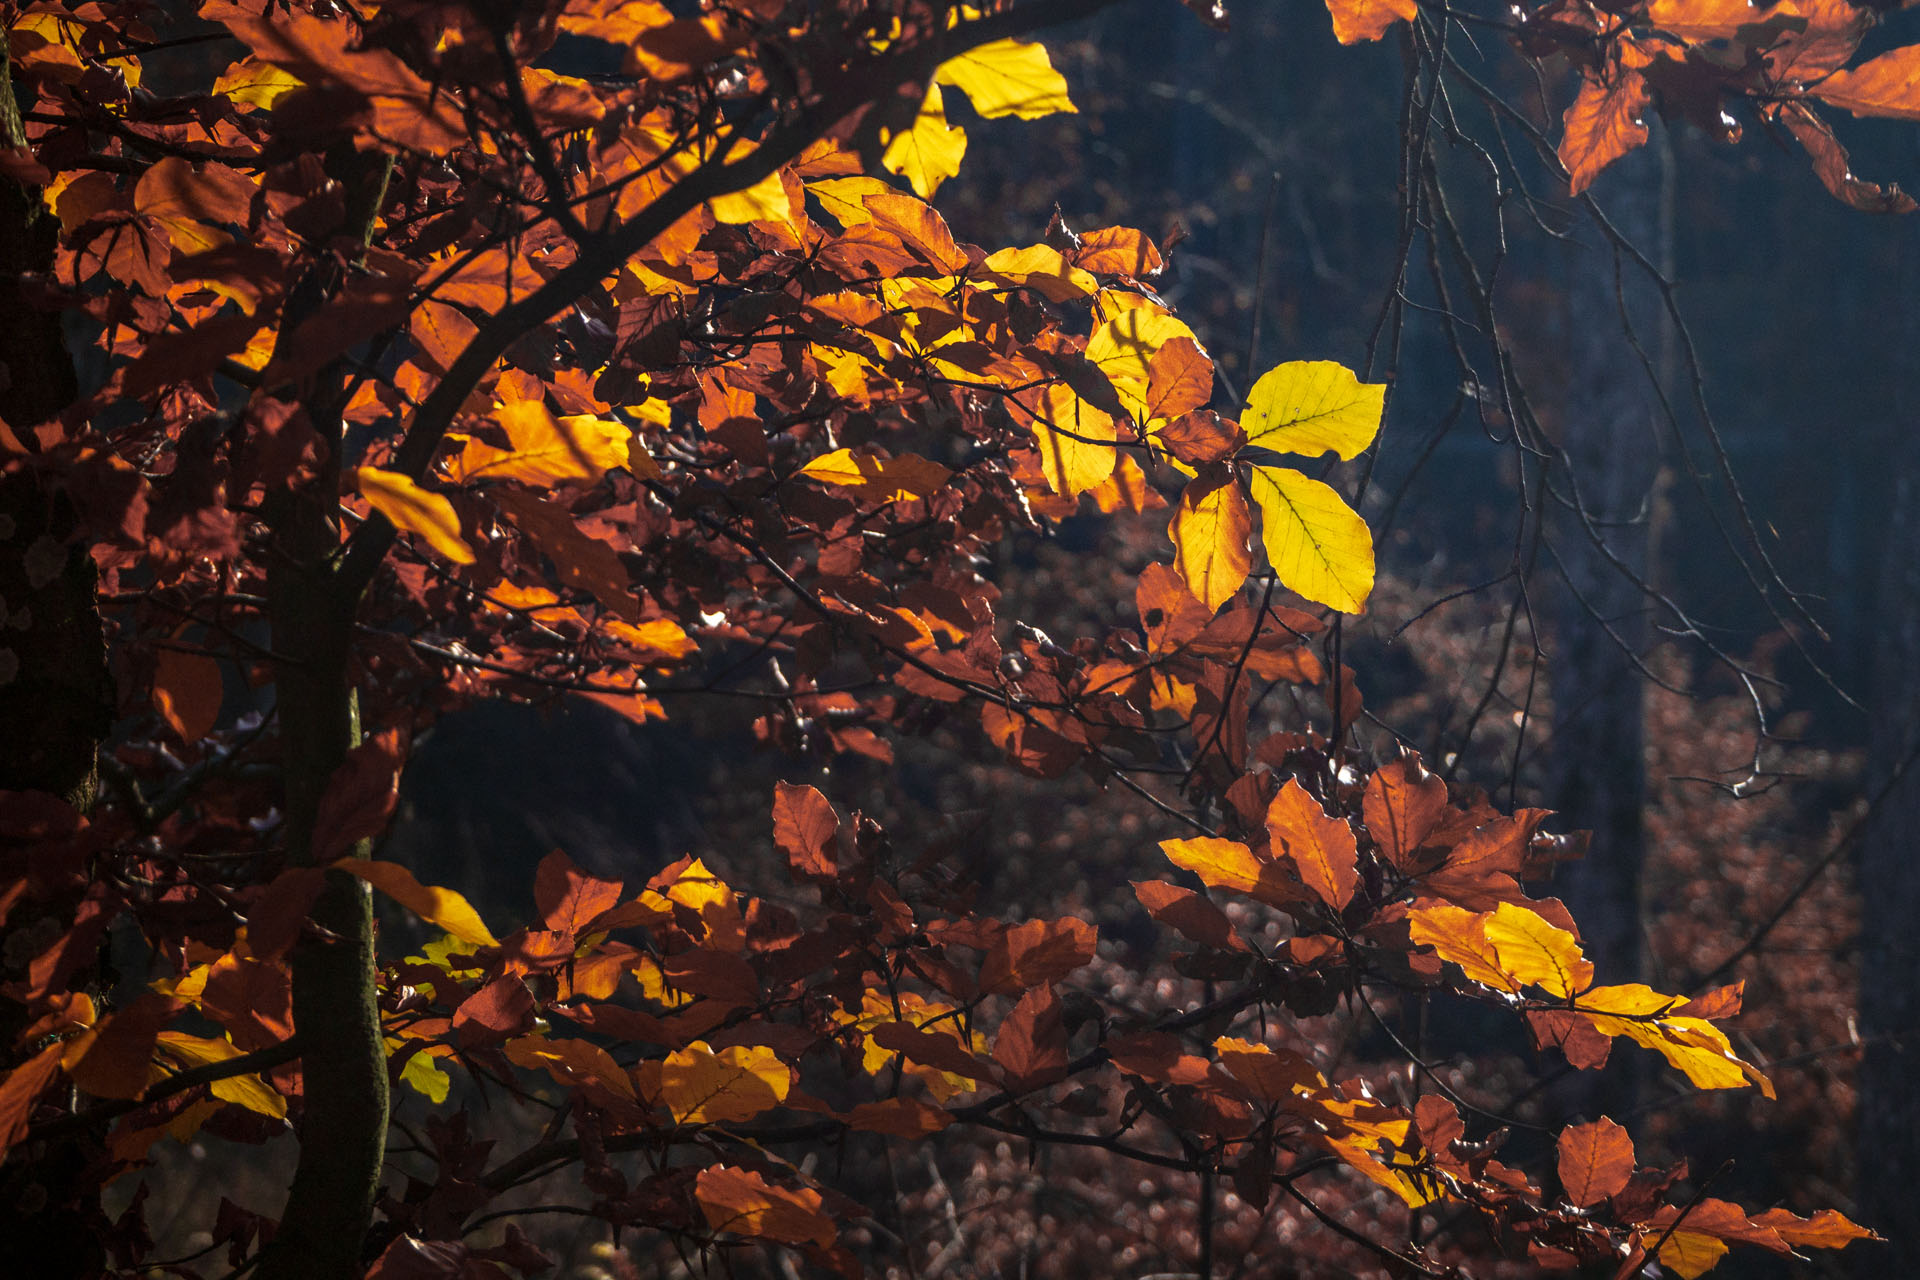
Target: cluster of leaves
{"type": "Point", "coordinates": [428, 363]}
{"type": "Point", "coordinates": [1695, 60]}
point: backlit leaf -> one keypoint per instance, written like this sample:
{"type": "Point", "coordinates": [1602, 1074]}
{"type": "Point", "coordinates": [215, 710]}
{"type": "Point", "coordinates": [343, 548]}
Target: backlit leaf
{"type": "Point", "coordinates": [741, 1201]}
{"type": "Point", "coordinates": [1603, 124]}
{"type": "Point", "coordinates": [1074, 438]}
{"type": "Point", "coordinates": [1313, 407]}
{"type": "Point", "coordinates": [442, 908]}
{"type": "Point", "coordinates": [1535, 952]}
{"type": "Point", "coordinates": [1228, 864]}
{"type": "Point", "coordinates": [1008, 78]}
{"type": "Point", "coordinates": [1690, 1253]}
{"type": "Point", "coordinates": [1356, 20]}
{"type": "Point", "coordinates": [22, 1089]}
{"type": "Point", "coordinates": [930, 152]}
{"type": "Point", "coordinates": [566, 897]}
{"type": "Point", "coordinates": [878, 479]}
{"type": "Point", "coordinates": [1192, 915]}
{"type": "Point", "coordinates": [248, 1091]}
{"type": "Point", "coordinates": [1322, 848]}
{"type": "Point", "coordinates": [414, 510]}
{"type": "Point", "coordinates": [1403, 804]}
{"type": "Point", "coordinates": [1037, 952]}
{"type": "Point", "coordinates": [1596, 1161]}
{"type": "Point", "coordinates": [738, 1083]}
{"type": "Point", "coordinates": [1459, 937]}
{"type": "Point", "coordinates": [186, 692]}
{"type": "Point", "coordinates": [1888, 85]}
{"type": "Point", "coordinates": [1317, 544]}
{"type": "Point", "coordinates": [544, 450]}
{"type": "Point", "coordinates": [1212, 531]}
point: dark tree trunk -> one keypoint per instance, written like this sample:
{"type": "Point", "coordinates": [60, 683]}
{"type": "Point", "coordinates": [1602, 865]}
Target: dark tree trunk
{"type": "Point", "coordinates": [1597, 614]}
{"type": "Point", "coordinates": [56, 700]}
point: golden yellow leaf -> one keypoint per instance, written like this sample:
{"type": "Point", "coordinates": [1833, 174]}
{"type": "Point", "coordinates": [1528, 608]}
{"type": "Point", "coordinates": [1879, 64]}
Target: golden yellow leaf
{"type": "Point", "coordinates": [247, 1091]}
{"type": "Point", "coordinates": [1313, 407]}
{"type": "Point", "coordinates": [929, 153]}
{"type": "Point", "coordinates": [545, 450]}
{"type": "Point", "coordinates": [845, 199]}
{"type": "Point", "coordinates": [1008, 78]}
{"type": "Point", "coordinates": [1356, 20]}
{"type": "Point", "coordinates": [1074, 438]}
{"type": "Point", "coordinates": [415, 510]}
{"type": "Point", "coordinates": [442, 908]}
{"type": "Point", "coordinates": [1534, 951]}
{"type": "Point", "coordinates": [1044, 269]}
{"type": "Point", "coordinates": [1125, 341]}
{"type": "Point", "coordinates": [256, 84]}
{"type": "Point", "coordinates": [878, 479]}
{"type": "Point", "coordinates": [741, 1201]}
{"type": "Point", "coordinates": [1318, 545]}
{"type": "Point", "coordinates": [738, 1083]}
{"type": "Point", "coordinates": [1690, 1253]}
{"type": "Point", "coordinates": [1459, 936]}
{"type": "Point", "coordinates": [1228, 864]}
{"type": "Point", "coordinates": [765, 201]}
{"type": "Point", "coordinates": [1212, 531]}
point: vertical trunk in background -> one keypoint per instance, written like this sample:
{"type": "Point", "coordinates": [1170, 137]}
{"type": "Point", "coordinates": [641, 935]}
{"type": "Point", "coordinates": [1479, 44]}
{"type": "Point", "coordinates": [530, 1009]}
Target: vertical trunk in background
{"type": "Point", "coordinates": [1887, 1106]}
{"type": "Point", "coordinates": [56, 700]}
{"type": "Point", "coordinates": [1610, 433]}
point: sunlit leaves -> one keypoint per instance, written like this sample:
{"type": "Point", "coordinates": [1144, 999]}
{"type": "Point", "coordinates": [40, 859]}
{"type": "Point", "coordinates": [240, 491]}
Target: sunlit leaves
{"type": "Point", "coordinates": [1212, 529]}
{"type": "Point", "coordinates": [1008, 78]}
{"type": "Point", "coordinates": [1313, 407]}
{"type": "Point", "coordinates": [543, 450]}
{"type": "Point", "coordinates": [1888, 85]}
{"type": "Point", "coordinates": [1535, 952]}
{"type": "Point", "coordinates": [1595, 1161]}
{"type": "Point", "coordinates": [743, 1202]}
{"type": "Point", "coordinates": [1356, 20]}
{"type": "Point", "coordinates": [739, 1082]}
{"type": "Point", "coordinates": [1603, 124]}
{"type": "Point", "coordinates": [248, 1091]}
{"type": "Point", "coordinates": [875, 478]}
{"type": "Point", "coordinates": [443, 908]}
{"type": "Point", "coordinates": [415, 510]}
{"type": "Point", "coordinates": [1321, 848]}
{"type": "Point", "coordinates": [1075, 439]}
{"type": "Point", "coordinates": [1317, 544]}
{"type": "Point", "coordinates": [929, 152]}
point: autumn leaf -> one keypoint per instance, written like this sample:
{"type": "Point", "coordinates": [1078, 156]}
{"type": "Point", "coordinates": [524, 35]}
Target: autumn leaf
{"type": "Point", "coordinates": [545, 450]}
{"type": "Point", "coordinates": [1313, 407]}
{"type": "Point", "coordinates": [414, 510]}
{"type": "Point", "coordinates": [806, 829]}
{"type": "Point", "coordinates": [1596, 1161]}
{"type": "Point", "coordinates": [1192, 915]}
{"type": "Point", "coordinates": [1008, 78]}
{"type": "Point", "coordinates": [1603, 124]}
{"type": "Point", "coordinates": [1888, 85]}
{"type": "Point", "coordinates": [1039, 951]}
{"type": "Point", "coordinates": [21, 1089]}
{"type": "Point", "coordinates": [1075, 439]}
{"type": "Point", "coordinates": [930, 152]}
{"type": "Point", "coordinates": [1123, 345]}
{"type": "Point", "coordinates": [1357, 20]}
{"type": "Point", "coordinates": [737, 1083]}
{"type": "Point", "coordinates": [741, 1201]}
{"type": "Point", "coordinates": [1230, 865]}
{"type": "Point", "coordinates": [1031, 1046]}
{"type": "Point", "coordinates": [1403, 803]}
{"type": "Point", "coordinates": [1317, 544]}
{"type": "Point", "coordinates": [876, 478]}
{"type": "Point", "coordinates": [567, 898]}
{"type": "Point", "coordinates": [1320, 847]}
{"type": "Point", "coordinates": [1535, 952]}
{"type": "Point", "coordinates": [1460, 937]}
{"type": "Point", "coordinates": [1212, 530]}
{"type": "Point", "coordinates": [442, 908]}
{"type": "Point", "coordinates": [248, 1091]}
{"type": "Point", "coordinates": [187, 690]}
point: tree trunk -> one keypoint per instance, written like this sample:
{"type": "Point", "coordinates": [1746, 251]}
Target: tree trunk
{"type": "Point", "coordinates": [56, 699]}
{"type": "Point", "coordinates": [1597, 617]}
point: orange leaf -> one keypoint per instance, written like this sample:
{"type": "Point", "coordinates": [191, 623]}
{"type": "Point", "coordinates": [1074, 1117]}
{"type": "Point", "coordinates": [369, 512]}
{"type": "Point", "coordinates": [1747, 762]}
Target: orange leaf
{"type": "Point", "coordinates": [898, 1117]}
{"type": "Point", "coordinates": [742, 1202]}
{"type": "Point", "coordinates": [1194, 916]}
{"type": "Point", "coordinates": [1179, 379]}
{"type": "Point", "coordinates": [567, 898]}
{"type": "Point", "coordinates": [1403, 804]}
{"type": "Point", "coordinates": [1596, 1161]}
{"type": "Point", "coordinates": [1888, 85]}
{"type": "Point", "coordinates": [1357, 20]}
{"type": "Point", "coordinates": [1321, 847]}
{"type": "Point", "coordinates": [187, 692]}
{"type": "Point", "coordinates": [415, 510]}
{"type": "Point", "coordinates": [737, 1083]}
{"type": "Point", "coordinates": [1031, 1046]}
{"type": "Point", "coordinates": [21, 1089]}
{"type": "Point", "coordinates": [1602, 125]}
{"type": "Point", "coordinates": [1036, 952]}
{"type": "Point", "coordinates": [806, 827]}
{"type": "Point", "coordinates": [1228, 864]}
{"type": "Point", "coordinates": [442, 908]}
{"type": "Point", "coordinates": [1118, 251]}
{"type": "Point", "coordinates": [1212, 532]}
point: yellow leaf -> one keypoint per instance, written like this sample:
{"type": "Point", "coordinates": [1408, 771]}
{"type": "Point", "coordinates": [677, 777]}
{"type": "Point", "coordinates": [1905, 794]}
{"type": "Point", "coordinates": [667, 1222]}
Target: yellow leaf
{"type": "Point", "coordinates": [247, 1091]}
{"type": "Point", "coordinates": [1317, 544]}
{"type": "Point", "coordinates": [415, 510]}
{"type": "Point", "coordinates": [1042, 268]}
{"type": "Point", "coordinates": [425, 1077]}
{"type": "Point", "coordinates": [1074, 438]}
{"type": "Point", "coordinates": [703, 1087]}
{"type": "Point", "coordinates": [1459, 936]}
{"type": "Point", "coordinates": [1313, 407]}
{"type": "Point", "coordinates": [255, 84]}
{"type": "Point", "coordinates": [1125, 341]}
{"type": "Point", "coordinates": [1008, 78]}
{"type": "Point", "coordinates": [878, 479]}
{"type": "Point", "coordinates": [1356, 20]}
{"type": "Point", "coordinates": [845, 199]}
{"type": "Point", "coordinates": [929, 153]}
{"type": "Point", "coordinates": [1537, 952]}
{"type": "Point", "coordinates": [1691, 1253]}
{"type": "Point", "coordinates": [545, 450]}
{"type": "Point", "coordinates": [1228, 864]}
{"type": "Point", "coordinates": [1212, 532]}
{"type": "Point", "coordinates": [442, 908]}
